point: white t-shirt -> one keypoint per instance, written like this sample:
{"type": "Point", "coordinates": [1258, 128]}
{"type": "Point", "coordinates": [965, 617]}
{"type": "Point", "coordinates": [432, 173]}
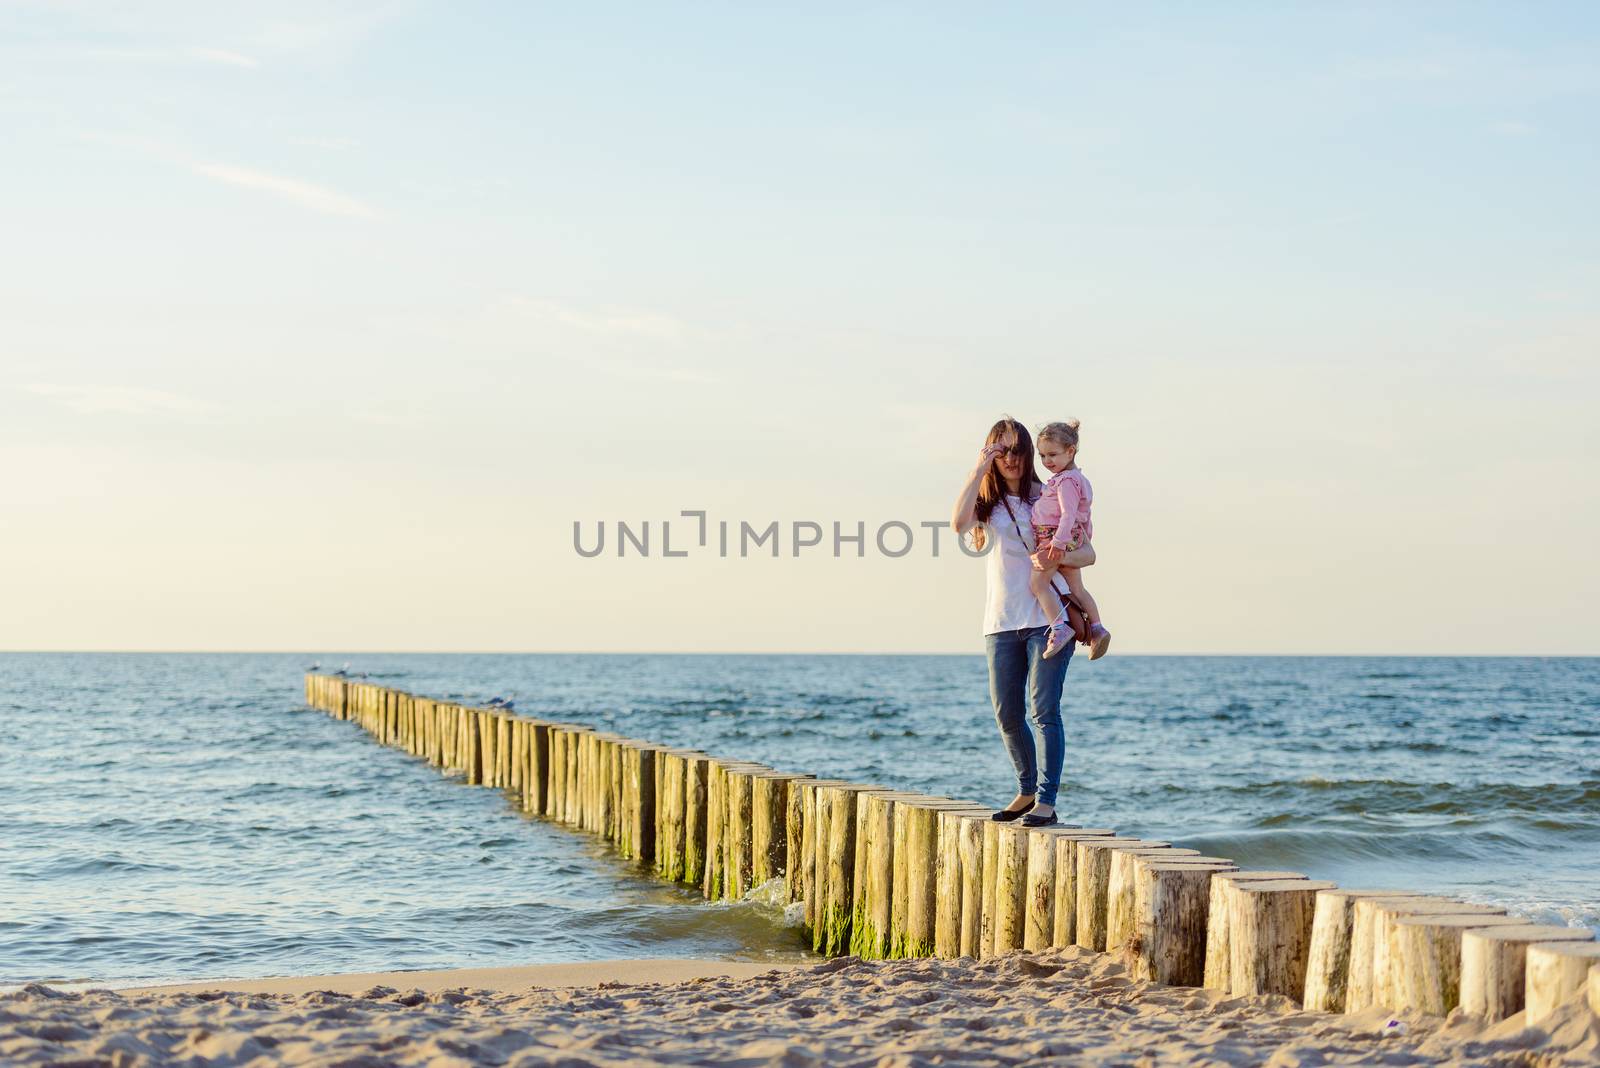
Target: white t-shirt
{"type": "Point", "coordinates": [1008, 603]}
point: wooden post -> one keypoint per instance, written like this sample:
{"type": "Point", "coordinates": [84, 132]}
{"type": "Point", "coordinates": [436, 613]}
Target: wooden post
{"type": "Point", "coordinates": [971, 846]}
{"type": "Point", "coordinates": [793, 835]}
{"type": "Point", "coordinates": [711, 882]}
{"type": "Point", "coordinates": [1218, 940]}
{"type": "Point", "coordinates": [805, 861]}
{"type": "Point", "coordinates": [606, 798]}
{"type": "Point", "coordinates": [1424, 960]}
{"type": "Point", "coordinates": [638, 805]}
{"type": "Point", "coordinates": [1494, 962]}
{"type": "Point", "coordinates": [594, 794]}
{"type": "Point", "coordinates": [1039, 895]}
{"type": "Point", "coordinates": [588, 774]}
{"type": "Point", "coordinates": [769, 807]}
{"type": "Point", "coordinates": [1369, 949]}
{"type": "Point", "coordinates": [695, 815]}
{"type": "Point", "coordinates": [538, 767]}
{"type": "Point", "coordinates": [1010, 887]}
{"type": "Point", "coordinates": [1269, 929]}
{"type": "Point", "coordinates": [556, 794]}
{"type": "Point", "coordinates": [737, 836]}
{"type": "Point", "coordinates": [948, 879]}
{"type": "Point", "coordinates": [575, 779]}
{"type": "Point", "coordinates": [669, 815]}
{"type": "Point", "coordinates": [1328, 967]}
{"type": "Point", "coordinates": [1170, 912]}
{"type": "Point", "coordinates": [836, 809]}
{"type": "Point", "coordinates": [488, 735]}
{"type": "Point", "coordinates": [1064, 930]}
{"type": "Point", "coordinates": [870, 929]}
{"type": "Point", "coordinates": [915, 906]}
{"type": "Point", "coordinates": [1121, 888]}
{"type": "Point", "coordinates": [1557, 972]}
{"type": "Point", "coordinates": [506, 774]}
{"type": "Point", "coordinates": [472, 752]}
{"type": "Point", "coordinates": [1090, 911]}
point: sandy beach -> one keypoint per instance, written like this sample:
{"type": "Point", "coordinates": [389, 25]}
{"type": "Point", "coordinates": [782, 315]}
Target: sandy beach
{"type": "Point", "coordinates": [1066, 1007]}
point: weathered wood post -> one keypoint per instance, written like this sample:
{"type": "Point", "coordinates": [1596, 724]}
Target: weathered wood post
{"type": "Point", "coordinates": [738, 844]}
{"type": "Point", "coordinates": [989, 906]}
{"type": "Point", "coordinates": [602, 808]}
{"type": "Point", "coordinates": [948, 879]}
{"type": "Point", "coordinates": [858, 876]}
{"type": "Point", "coordinates": [793, 836]}
{"type": "Point", "coordinates": [1270, 936]}
{"type": "Point", "coordinates": [1039, 895]}
{"type": "Point", "coordinates": [804, 861]}
{"type": "Point", "coordinates": [1121, 888]}
{"type": "Point", "coordinates": [1370, 969]}
{"type": "Point", "coordinates": [575, 777]}
{"type": "Point", "coordinates": [487, 736]}
{"type": "Point", "coordinates": [872, 918]}
{"type": "Point", "coordinates": [915, 906]}
{"type": "Point", "coordinates": [588, 774]}
{"type": "Point", "coordinates": [1424, 960]}
{"type": "Point", "coordinates": [1557, 972]}
{"type": "Point", "coordinates": [695, 815]}
{"type": "Point", "coordinates": [1328, 967]}
{"type": "Point", "coordinates": [669, 814]}
{"type": "Point", "coordinates": [607, 793]}
{"type": "Point", "coordinates": [836, 822]}
{"type": "Point", "coordinates": [1090, 911]}
{"type": "Point", "coordinates": [1064, 931]}
{"type": "Point", "coordinates": [971, 845]}
{"type": "Point", "coordinates": [1170, 912]}
{"type": "Point", "coordinates": [715, 872]}
{"type": "Point", "coordinates": [1494, 963]}
{"type": "Point", "coordinates": [471, 748]}
{"type": "Point", "coordinates": [1010, 887]}
{"type": "Point", "coordinates": [638, 802]}
{"type": "Point", "coordinates": [538, 775]}
{"type": "Point", "coordinates": [508, 779]}
{"type": "Point", "coordinates": [769, 807]}
{"type": "Point", "coordinates": [1219, 942]}
{"type": "Point", "coordinates": [556, 793]}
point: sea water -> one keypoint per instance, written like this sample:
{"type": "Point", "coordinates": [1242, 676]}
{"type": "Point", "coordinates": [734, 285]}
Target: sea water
{"type": "Point", "coordinates": [167, 817]}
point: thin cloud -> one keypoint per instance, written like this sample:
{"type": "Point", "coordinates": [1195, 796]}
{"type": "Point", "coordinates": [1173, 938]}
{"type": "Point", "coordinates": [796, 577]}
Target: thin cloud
{"type": "Point", "coordinates": [610, 322]}
{"type": "Point", "coordinates": [691, 376]}
{"type": "Point", "coordinates": [315, 197]}
{"type": "Point", "coordinates": [120, 400]}
{"type": "Point", "coordinates": [306, 194]}
{"type": "Point", "coordinates": [223, 56]}
{"type": "Point", "coordinates": [215, 56]}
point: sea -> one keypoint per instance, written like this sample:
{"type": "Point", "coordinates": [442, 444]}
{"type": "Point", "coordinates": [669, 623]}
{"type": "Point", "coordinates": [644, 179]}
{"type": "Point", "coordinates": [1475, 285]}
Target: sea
{"type": "Point", "coordinates": [184, 817]}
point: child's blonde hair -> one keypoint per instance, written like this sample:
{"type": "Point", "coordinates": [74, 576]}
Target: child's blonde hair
{"type": "Point", "coordinates": [1063, 434]}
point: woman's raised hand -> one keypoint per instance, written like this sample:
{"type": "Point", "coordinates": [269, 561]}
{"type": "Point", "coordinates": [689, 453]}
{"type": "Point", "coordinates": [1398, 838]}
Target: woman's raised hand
{"type": "Point", "coordinates": [991, 452]}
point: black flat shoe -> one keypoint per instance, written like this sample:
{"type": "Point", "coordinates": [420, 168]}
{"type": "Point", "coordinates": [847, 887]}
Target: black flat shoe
{"type": "Point", "coordinates": [1040, 821]}
{"type": "Point", "coordinates": [1005, 815]}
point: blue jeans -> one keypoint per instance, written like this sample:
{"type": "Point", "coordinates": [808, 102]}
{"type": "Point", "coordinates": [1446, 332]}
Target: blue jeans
{"type": "Point", "coordinates": [1020, 679]}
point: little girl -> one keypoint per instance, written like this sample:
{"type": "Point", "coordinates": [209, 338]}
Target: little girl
{"type": "Point", "coordinates": [1060, 524]}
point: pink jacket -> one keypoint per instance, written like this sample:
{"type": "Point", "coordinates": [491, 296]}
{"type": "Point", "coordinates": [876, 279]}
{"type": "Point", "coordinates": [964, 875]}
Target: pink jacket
{"type": "Point", "coordinates": [1065, 504]}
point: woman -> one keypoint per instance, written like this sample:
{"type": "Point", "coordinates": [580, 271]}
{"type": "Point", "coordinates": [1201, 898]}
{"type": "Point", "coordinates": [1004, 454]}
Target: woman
{"type": "Point", "coordinates": [996, 504]}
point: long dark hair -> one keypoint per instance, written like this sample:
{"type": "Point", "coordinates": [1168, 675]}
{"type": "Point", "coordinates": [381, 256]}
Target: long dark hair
{"type": "Point", "coordinates": [993, 486]}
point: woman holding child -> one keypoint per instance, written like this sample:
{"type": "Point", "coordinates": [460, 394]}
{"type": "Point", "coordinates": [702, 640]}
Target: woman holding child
{"type": "Point", "coordinates": [1037, 537]}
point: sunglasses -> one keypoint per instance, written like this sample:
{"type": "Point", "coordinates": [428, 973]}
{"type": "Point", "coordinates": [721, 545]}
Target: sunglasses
{"type": "Point", "coordinates": [1016, 452]}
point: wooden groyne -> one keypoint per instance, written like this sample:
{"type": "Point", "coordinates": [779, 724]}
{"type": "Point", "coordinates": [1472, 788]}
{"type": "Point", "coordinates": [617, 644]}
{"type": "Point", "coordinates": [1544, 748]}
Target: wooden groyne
{"type": "Point", "coordinates": [884, 873]}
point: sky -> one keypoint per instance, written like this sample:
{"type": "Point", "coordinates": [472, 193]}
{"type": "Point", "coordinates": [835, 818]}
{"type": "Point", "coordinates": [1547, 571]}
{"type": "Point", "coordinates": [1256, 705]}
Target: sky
{"type": "Point", "coordinates": [321, 325]}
